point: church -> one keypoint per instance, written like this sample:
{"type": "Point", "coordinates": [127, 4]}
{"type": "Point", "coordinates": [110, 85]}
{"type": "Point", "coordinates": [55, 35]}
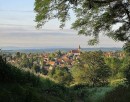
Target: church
{"type": "Point", "coordinates": [76, 52]}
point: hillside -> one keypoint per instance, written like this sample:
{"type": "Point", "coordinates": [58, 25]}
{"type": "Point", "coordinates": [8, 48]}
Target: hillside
{"type": "Point", "coordinates": [23, 86]}
{"type": "Point", "coordinates": [20, 86]}
{"type": "Point", "coordinates": [44, 50]}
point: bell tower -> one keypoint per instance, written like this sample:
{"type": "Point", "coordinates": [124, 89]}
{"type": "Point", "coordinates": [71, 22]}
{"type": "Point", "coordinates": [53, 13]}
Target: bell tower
{"type": "Point", "coordinates": [79, 48]}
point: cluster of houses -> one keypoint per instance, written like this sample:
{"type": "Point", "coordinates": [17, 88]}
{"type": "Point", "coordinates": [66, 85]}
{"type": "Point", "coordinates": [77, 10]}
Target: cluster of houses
{"type": "Point", "coordinates": [65, 60]}
{"type": "Point", "coordinates": [62, 60]}
{"type": "Point", "coordinates": [119, 55]}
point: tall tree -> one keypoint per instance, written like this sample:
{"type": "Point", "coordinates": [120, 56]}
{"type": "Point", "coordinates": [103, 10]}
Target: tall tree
{"type": "Point", "coordinates": [91, 69]}
{"type": "Point", "coordinates": [93, 16]}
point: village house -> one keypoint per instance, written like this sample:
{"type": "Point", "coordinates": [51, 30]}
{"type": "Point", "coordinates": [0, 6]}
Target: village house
{"type": "Point", "coordinates": [114, 54]}
{"type": "Point", "coordinates": [108, 54]}
{"type": "Point", "coordinates": [121, 55]}
{"type": "Point", "coordinates": [52, 63]}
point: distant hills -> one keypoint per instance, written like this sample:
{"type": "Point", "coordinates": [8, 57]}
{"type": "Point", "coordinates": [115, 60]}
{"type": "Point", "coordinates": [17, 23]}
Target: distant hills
{"type": "Point", "coordinates": [42, 50]}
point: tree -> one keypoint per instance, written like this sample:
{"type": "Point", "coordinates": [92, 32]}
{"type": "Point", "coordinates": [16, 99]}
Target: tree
{"type": "Point", "coordinates": [79, 75]}
{"type": "Point", "coordinates": [44, 71]}
{"type": "Point", "coordinates": [91, 69]}
{"type": "Point", "coordinates": [61, 75]}
{"type": "Point", "coordinates": [93, 16]}
{"type": "Point", "coordinates": [23, 56]}
{"type": "Point", "coordinates": [36, 68]}
{"type": "Point", "coordinates": [51, 56]}
{"type": "Point", "coordinates": [18, 54]}
{"type": "Point", "coordinates": [127, 48]}
{"type": "Point", "coordinates": [115, 65]}
{"type": "Point", "coordinates": [59, 53]}
{"type": "Point", "coordinates": [25, 63]}
{"type": "Point", "coordinates": [126, 63]}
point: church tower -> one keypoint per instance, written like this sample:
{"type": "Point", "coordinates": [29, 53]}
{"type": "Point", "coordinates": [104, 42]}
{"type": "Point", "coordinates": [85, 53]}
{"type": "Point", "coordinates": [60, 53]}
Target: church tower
{"type": "Point", "coordinates": [79, 48]}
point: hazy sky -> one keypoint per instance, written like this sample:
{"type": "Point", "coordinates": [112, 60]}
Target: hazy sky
{"type": "Point", "coordinates": [17, 29]}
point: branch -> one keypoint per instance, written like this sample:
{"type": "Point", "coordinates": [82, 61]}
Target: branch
{"type": "Point", "coordinates": [121, 21]}
{"type": "Point", "coordinates": [127, 12]}
{"type": "Point", "coordinates": [102, 1]}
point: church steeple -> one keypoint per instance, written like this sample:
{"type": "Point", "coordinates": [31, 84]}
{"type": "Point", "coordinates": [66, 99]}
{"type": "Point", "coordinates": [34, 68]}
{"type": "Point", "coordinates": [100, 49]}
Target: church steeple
{"type": "Point", "coordinates": [79, 48]}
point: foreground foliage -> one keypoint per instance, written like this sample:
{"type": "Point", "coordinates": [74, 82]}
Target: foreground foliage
{"type": "Point", "coordinates": [119, 94]}
{"type": "Point", "coordinates": [20, 86]}
{"type": "Point", "coordinates": [92, 16]}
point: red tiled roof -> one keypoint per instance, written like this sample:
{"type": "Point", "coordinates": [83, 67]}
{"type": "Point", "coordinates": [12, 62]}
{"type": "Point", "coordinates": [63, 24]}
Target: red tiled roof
{"type": "Point", "coordinates": [75, 51]}
{"type": "Point", "coordinates": [52, 63]}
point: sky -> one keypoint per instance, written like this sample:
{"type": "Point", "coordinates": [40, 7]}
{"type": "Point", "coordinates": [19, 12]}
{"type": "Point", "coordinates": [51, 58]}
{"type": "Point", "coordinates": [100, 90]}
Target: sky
{"type": "Point", "coordinates": [17, 29]}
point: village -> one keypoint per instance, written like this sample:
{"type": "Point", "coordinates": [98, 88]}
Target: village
{"type": "Point", "coordinates": [48, 61]}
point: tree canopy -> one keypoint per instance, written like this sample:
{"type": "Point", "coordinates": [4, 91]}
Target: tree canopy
{"type": "Point", "coordinates": [91, 69]}
{"type": "Point", "coordinates": [92, 16]}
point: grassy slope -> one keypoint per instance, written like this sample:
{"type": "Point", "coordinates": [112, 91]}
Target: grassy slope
{"type": "Point", "coordinates": [20, 86]}
{"type": "Point", "coordinates": [118, 94]}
